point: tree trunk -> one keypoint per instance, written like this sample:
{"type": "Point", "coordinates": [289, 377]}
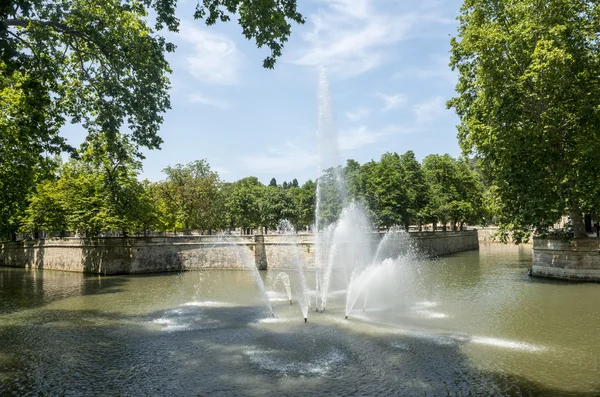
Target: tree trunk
{"type": "Point", "coordinates": [578, 225]}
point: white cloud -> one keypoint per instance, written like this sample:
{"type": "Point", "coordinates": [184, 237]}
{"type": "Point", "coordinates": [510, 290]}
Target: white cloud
{"type": "Point", "coordinates": [350, 37]}
{"type": "Point", "coordinates": [203, 100]}
{"type": "Point", "coordinates": [358, 114]}
{"type": "Point", "coordinates": [391, 101]}
{"type": "Point", "coordinates": [363, 136]}
{"type": "Point", "coordinates": [430, 110]}
{"type": "Point", "coordinates": [288, 158]}
{"type": "Point", "coordinates": [214, 59]}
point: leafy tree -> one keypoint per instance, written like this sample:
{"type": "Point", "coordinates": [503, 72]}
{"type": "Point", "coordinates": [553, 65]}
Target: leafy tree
{"type": "Point", "coordinates": [273, 182]}
{"type": "Point", "coordinates": [529, 104]}
{"type": "Point", "coordinates": [304, 201]}
{"type": "Point", "coordinates": [243, 203]}
{"type": "Point", "coordinates": [100, 64]}
{"type": "Point", "coordinates": [331, 194]}
{"type": "Point", "coordinates": [390, 198]}
{"type": "Point", "coordinates": [285, 185]}
{"type": "Point", "coordinates": [47, 210]}
{"type": "Point", "coordinates": [191, 194]}
{"type": "Point", "coordinates": [353, 180]}
{"type": "Point", "coordinates": [277, 204]}
{"type": "Point", "coordinates": [456, 192]}
{"type": "Point", "coordinates": [28, 146]}
{"type": "Point", "coordinates": [295, 183]}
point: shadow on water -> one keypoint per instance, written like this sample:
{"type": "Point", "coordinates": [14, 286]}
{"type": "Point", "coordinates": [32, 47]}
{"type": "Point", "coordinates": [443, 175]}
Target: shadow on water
{"type": "Point", "coordinates": [233, 351]}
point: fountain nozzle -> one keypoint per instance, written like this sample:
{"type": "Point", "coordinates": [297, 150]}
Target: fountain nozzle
{"type": "Point", "coordinates": [305, 319]}
{"type": "Point", "coordinates": [346, 318]}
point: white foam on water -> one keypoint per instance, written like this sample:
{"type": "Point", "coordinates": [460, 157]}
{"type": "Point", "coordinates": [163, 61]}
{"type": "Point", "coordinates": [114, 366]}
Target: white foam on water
{"type": "Point", "coordinates": [208, 304]}
{"type": "Point", "coordinates": [169, 325]}
{"type": "Point", "coordinates": [430, 314]}
{"type": "Point", "coordinates": [425, 305]}
{"type": "Point", "coordinates": [506, 344]}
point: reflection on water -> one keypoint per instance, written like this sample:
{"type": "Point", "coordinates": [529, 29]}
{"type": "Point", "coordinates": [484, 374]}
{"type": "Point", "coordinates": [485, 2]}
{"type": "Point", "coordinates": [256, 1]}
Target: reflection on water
{"type": "Point", "coordinates": [469, 323]}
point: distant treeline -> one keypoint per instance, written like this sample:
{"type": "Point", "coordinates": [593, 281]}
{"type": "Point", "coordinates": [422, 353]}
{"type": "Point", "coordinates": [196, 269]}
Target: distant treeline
{"type": "Point", "coordinates": [100, 192]}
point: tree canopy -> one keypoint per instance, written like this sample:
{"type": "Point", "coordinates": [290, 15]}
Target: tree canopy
{"type": "Point", "coordinates": [99, 192]}
{"type": "Point", "coordinates": [101, 65]}
{"type": "Point", "coordinates": [529, 105]}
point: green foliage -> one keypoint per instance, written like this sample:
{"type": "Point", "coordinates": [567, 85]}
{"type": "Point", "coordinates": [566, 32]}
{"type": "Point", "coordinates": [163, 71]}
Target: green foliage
{"type": "Point", "coordinates": [190, 196]}
{"type": "Point", "coordinates": [456, 191]}
{"type": "Point", "coordinates": [304, 201]}
{"type": "Point", "coordinates": [265, 21]}
{"type": "Point", "coordinates": [243, 202]}
{"type": "Point", "coordinates": [330, 196]}
{"type": "Point", "coordinates": [96, 193]}
{"type": "Point", "coordinates": [100, 192]}
{"type": "Point", "coordinates": [529, 104]}
{"type": "Point", "coordinates": [101, 65]}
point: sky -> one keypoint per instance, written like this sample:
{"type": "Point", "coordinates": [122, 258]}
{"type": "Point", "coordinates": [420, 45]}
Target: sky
{"type": "Point", "coordinates": [387, 66]}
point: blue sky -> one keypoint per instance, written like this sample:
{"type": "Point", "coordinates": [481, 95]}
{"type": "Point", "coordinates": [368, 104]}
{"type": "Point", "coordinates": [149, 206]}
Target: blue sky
{"type": "Point", "coordinates": [386, 61]}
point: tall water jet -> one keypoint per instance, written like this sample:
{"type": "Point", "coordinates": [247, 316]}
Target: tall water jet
{"type": "Point", "coordinates": [331, 189]}
{"type": "Point", "coordinates": [294, 260]}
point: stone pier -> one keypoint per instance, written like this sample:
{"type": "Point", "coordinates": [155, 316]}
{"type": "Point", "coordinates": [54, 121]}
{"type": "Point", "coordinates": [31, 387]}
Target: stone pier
{"type": "Point", "coordinates": [575, 260]}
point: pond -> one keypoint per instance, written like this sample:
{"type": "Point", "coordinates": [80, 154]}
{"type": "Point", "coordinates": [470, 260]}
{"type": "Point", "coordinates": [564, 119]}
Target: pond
{"type": "Point", "coordinates": [471, 323]}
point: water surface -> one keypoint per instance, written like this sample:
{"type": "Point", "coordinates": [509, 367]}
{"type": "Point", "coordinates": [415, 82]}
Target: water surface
{"type": "Point", "coordinates": [469, 323]}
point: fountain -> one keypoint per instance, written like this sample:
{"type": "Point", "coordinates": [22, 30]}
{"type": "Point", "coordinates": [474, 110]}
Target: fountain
{"type": "Point", "coordinates": [249, 263]}
{"type": "Point", "coordinates": [284, 279]}
{"type": "Point", "coordinates": [294, 261]}
{"type": "Point", "coordinates": [348, 255]}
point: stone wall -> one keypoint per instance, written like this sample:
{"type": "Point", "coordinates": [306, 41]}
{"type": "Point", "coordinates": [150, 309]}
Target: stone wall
{"type": "Point", "coordinates": [576, 260]}
{"type": "Point", "coordinates": [163, 254]}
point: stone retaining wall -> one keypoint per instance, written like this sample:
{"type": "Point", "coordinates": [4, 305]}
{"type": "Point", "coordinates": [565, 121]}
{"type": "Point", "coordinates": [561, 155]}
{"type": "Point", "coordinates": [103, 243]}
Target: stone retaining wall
{"type": "Point", "coordinates": [116, 255]}
{"type": "Point", "coordinates": [576, 260]}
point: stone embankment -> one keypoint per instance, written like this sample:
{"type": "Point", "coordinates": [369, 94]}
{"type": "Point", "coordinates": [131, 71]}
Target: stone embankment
{"type": "Point", "coordinates": [117, 255]}
{"type": "Point", "coordinates": [575, 260]}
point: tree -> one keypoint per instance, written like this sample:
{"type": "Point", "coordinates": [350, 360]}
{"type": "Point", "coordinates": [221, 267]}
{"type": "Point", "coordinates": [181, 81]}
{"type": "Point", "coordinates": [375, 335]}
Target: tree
{"type": "Point", "coordinates": [417, 189]}
{"type": "Point", "coordinates": [243, 203]}
{"type": "Point", "coordinates": [191, 193]}
{"type": "Point", "coordinates": [529, 104]}
{"type": "Point", "coordinates": [273, 182]}
{"type": "Point", "coordinates": [295, 183]}
{"type": "Point", "coordinates": [277, 204]}
{"type": "Point", "coordinates": [388, 193]}
{"type": "Point", "coordinates": [331, 195]}
{"type": "Point", "coordinates": [101, 65]}
{"type": "Point", "coordinates": [47, 210]}
{"type": "Point", "coordinates": [304, 201]}
{"type": "Point", "coordinates": [456, 192]}
{"type": "Point", "coordinates": [96, 193]}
